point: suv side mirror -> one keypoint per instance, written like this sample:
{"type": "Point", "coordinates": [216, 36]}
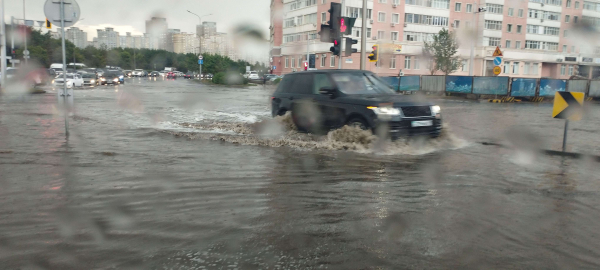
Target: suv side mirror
{"type": "Point", "coordinates": [329, 91]}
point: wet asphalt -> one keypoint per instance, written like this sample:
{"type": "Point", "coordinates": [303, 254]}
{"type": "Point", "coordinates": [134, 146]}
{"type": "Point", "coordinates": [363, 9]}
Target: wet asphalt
{"type": "Point", "coordinates": [134, 188]}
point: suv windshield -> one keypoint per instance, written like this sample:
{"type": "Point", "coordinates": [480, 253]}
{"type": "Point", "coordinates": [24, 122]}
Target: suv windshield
{"type": "Point", "coordinates": [361, 84]}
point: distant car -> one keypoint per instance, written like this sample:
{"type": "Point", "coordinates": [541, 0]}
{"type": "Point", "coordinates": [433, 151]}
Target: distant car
{"type": "Point", "coordinates": [171, 75]}
{"type": "Point", "coordinates": [138, 73]}
{"type": "Point", "coordinates": [89, 79]}
{"type": "Point", "coordinates": [121, 76]}
{"type": "Point", "coordinates": [109, 78]}
{"type": "Point", "coordinates": [189, 75]}
{"type": "Point", "coordinates": [72, 79]}
{"type": "Point", "coordinates": [253, 76]}
{"type": "Point", "coordinates": [163, 73]}
{"type": "Point", "coordinates": [154, 74]}
{"type": "Point", "coordinates": [127, 73]}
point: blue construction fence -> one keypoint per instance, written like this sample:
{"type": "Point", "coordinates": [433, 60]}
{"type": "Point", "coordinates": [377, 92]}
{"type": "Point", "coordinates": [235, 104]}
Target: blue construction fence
{"type": "Point", "coordinates": [501, 86]}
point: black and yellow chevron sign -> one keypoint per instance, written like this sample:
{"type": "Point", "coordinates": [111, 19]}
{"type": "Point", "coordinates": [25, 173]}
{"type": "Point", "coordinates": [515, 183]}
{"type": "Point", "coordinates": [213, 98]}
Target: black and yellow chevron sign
{"type": "Point", "coordinates": [568, 105]}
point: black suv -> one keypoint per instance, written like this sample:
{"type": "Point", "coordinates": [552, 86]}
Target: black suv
{"type": "Point", "coordinates": [323, 100]}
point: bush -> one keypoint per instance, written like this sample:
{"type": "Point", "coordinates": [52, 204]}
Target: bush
{"type": "Point", "coordinates": [276, 81]}
{"type": "Point", "coordinates": [245, 81]}
{"type": "Point", "coordinates": [219, 78]}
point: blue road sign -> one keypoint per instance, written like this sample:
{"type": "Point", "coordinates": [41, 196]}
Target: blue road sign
{"type": "Point", "coordinates": [497, 60]}
{"type": "Point", "coordinates": [200, 62]}
{"type": "Point", "coordinates": [274, 67]}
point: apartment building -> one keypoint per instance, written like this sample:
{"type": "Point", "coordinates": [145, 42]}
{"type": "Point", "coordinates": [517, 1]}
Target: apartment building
{"type": "Point", "coordinates": [539, 38]}
{"type": "Point", "coordinates": [185, 43]}
{"type": "Point", "coordinates": [107, 38]}
{"type": "Point", "coordinates": [77, 36]}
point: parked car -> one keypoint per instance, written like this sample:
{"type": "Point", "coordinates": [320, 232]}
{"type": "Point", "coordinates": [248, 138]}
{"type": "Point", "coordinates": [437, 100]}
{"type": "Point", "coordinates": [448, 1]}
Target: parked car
{"type": "Point", "coordinates": [109, 78]}
{"type": "Point", "coordinates": [72, 79]}
{"type": "Point", "coordinates": [253, 76]}
{"type": "Point", "coordinates": [189, 75]}
{"type": "Point", "coordinates": [355, 98]}
{"type": "Point", "coordinates": [208, 76]}
{"type": "Point", "coordinates": [154, 74]}
{"type": "Point", "coordinates": [89, 79]}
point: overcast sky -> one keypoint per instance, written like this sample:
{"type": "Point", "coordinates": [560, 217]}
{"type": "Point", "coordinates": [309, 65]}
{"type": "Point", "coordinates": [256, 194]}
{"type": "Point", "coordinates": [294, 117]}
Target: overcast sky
{"type": "Point", "coordinates": [130, 15]}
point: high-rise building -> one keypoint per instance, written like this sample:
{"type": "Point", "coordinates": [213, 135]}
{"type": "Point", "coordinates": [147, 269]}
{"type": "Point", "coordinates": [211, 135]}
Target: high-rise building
{"type": "Point", "coordinates": [185, 43]}
{"type": "Point", "coordinates": [156, 28]}
{"type": "Point", "coordinates": [208, 29]}
{"type": "Point", "coordinates": [169, 46]}
{"type": "Point", "coordinates": [77, 37]}
{"type": "Point", "coordinates": [126, 41]}
{"type": "Point", "coordinates": [535, 36]}
{"type": "Point", "coordinates": [108, 38]}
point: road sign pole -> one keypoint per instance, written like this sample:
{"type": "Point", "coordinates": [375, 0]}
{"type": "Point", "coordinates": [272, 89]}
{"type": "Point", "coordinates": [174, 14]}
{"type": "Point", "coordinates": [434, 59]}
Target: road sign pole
{"type": "Point", "coordinates": [64, 60]}
{"type": "Point", "coordinates": [565, 135]}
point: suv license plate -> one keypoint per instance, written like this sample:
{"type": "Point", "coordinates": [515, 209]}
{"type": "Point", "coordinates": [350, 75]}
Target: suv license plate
{"type": "Point", "coordinates": [426, 123]}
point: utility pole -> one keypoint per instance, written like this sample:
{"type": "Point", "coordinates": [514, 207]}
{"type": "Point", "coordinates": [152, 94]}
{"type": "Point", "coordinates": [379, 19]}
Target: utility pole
{"type": "Point", "coordinates": [363, 37]}
{"type": "Point", "coordinates": [342, 39]}
{"type": "Point", "coordinates": [12, 37]}
{"type": "Point", "coordinates": [3, 54]}
{"type": "Point", "coordinates": [64, 60]}
{"type": "Point", "coordinates": [473, 42]}
{"type": "Point", "coordinates": [26, 57]}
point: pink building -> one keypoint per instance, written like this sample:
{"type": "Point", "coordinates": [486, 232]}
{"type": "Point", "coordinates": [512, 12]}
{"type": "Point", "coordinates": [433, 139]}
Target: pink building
{"type": "Point", "coordinates": [539, 38]}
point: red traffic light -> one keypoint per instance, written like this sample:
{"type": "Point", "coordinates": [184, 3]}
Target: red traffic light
{"type": "Point", "coordinates": [335, 42]}
{"type": "Point", "coordinates": [342, 25]}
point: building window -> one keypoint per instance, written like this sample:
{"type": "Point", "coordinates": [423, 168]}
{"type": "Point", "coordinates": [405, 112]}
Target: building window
{"type": "Point", "coordinates": [562, 69]}
{"type": "Point", "coordinates": [493, 8]}
{"type": "Point", "coordinates": [492, 41]}
{"type": "Point", "coordinates": [299, 20]}
{"type": "Point", "coordinates": [541, 45]}
{"type": "Point", "coordinates": [418, 36]}
{"type": "Point", "coordinates": [393, 63]}
{"type": "Point", "coordinates": [394, 35]}
{"type": "Point", "coordinates": [287, 62]}
{"type": "Point", "coordinates": [526, 68]}
{"type": "Point", "coordinates": [457, 7]}
{"type": "Point", "coordinates": [323, 61]}
{"type": "Point", "coordinates": [396, 18]}
{"type": "Point", "coordinates": [571, 66]}
{"type": "Point", "coordinates": [515, 67]}
{"type": "Point", "coordinates": [469, 8]}
{"type": "Point", "coordinates": [506, 68]}
{"type": "Point", "coordinates": [299, 62]}
{"type": "Point", "coordinates": [416, 60]}
{"type": "Point", "coordinates": [573, 49]}
{"type": "Point", "coordinates": [456, 23]}
{"type": "Point", "coordinates": [332, 61]}
{"type": "Point", "coordinates": [534, 69]}
{"type": "Point", "coordinates": [520, 13]}
{"type": "Point", "coordinates": [569, 5]}
{"type": "Point", "coordinates": [575, 19]}
{"type": "Point", "coordinates": [324, 1]}
{"type": "Point", "coordinates": [493, 25]}
{"type": "Point", "coordinates": [508, 44]}
{"type": "Point", "coordinates": [383, 1]}
{"type": "Point", "coordinates": [564, 48]}
{"type": "Point", "coordinates": [576, 4]}
{"type": "Point", "coordinates": [323, 17]}
{"type": "Point", "coordinates": [511, 12]}
{"type": "Point", "coordinates": [425, 19]}
{"type": "Point", "coordinates": [407, 62]}
{"type": "Point", "coordinates": [567, 18]}
{"type": "Point", "coordinates": [381, 17]}
{"type": "Point", "coordinates": [465, 65]}
{"type": "Point", "coordinates": [509, 28]}
{"type": "Point", "coordinates": [380, 34]}
{"type": "Point", "coordinates": [566, 33]}
{"type": "Point", "coordinates": [368, 32]}
{"type": "Point", "coordinates": [519, 29]}
{"type": "Point", "coordinates": [293, 63]}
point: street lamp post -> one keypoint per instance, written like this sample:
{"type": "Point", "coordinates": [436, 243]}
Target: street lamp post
{"type": "Point", "coordinates": [24, 36]}
{"type": "Point", "coordinates": [471, 57]}
{"type": "Point", "coordinates": [200, 39]}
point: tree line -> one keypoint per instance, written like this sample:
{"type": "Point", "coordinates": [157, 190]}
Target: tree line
{"type": "Point", "coordinates": [46, 50]}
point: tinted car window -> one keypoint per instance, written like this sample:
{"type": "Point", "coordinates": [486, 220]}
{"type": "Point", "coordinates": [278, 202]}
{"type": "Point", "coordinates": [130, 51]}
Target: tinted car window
{"type": "Point", "coordinates": [303, 84]}
{"type": "Point", "coordinates": [285, 86]}
{"type": "Point", "coordinates": [321, 80]}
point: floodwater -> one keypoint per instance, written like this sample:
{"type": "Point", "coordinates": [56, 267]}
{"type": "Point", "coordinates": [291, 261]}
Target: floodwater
{"type": "Point", "coordinates": [177, 175]}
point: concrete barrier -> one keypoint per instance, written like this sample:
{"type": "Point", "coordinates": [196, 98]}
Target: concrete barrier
{"type": "Point", "coordinates": [523, 87]}
{"type": "Point", "coordinates": [459, 84]}
{"type": "Point", "coordinates": [433, 83]}
{"type": "Point", "coordinates": [490, 85]}
{"type": "Point", "coordinates": [410, 83]}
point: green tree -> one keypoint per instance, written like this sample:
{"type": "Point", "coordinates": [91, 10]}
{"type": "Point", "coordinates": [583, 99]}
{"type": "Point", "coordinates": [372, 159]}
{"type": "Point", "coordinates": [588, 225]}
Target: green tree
{"type": "Point", "coordinates": [441, 53]}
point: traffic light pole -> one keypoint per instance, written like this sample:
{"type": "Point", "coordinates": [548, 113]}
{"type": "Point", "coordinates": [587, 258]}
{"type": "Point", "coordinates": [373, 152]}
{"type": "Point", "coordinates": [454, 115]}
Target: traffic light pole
{"type": "Point", "coordinates": [363, 37]}
{"type": "Point", "coordinates": [342, 41]}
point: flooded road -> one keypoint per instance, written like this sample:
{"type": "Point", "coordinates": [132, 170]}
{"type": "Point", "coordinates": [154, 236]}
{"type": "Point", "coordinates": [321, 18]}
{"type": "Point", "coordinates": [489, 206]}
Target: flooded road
{"type": "Point", "coordinates": [177, 175]}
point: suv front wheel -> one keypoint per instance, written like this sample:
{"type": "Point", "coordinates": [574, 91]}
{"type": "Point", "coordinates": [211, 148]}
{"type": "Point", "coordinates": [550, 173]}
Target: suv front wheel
{"type": "Point", "coordinates": [359, 123]}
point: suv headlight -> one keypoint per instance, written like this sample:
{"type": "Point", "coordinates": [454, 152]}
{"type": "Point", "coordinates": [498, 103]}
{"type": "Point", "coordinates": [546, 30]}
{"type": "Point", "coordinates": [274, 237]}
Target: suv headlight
{"type": "Point", "coordinates": [385, 110]}
{"type": "Point", "coordinates": [435, 110]}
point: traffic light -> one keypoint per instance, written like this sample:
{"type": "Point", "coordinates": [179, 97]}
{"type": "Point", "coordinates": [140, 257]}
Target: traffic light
{"type": "Point", "coordinates": [346, 24]}
{"type": "Point", "coordinates": [48, 24]}
{"type": "Point", "coordinates": [336, 48]}
{"type": "Point", "coordinates": [305, 66]}
{"type": "Point", "coordinates": [374, 56]}
{"type": "Point", "coordinates": [349, 50]}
